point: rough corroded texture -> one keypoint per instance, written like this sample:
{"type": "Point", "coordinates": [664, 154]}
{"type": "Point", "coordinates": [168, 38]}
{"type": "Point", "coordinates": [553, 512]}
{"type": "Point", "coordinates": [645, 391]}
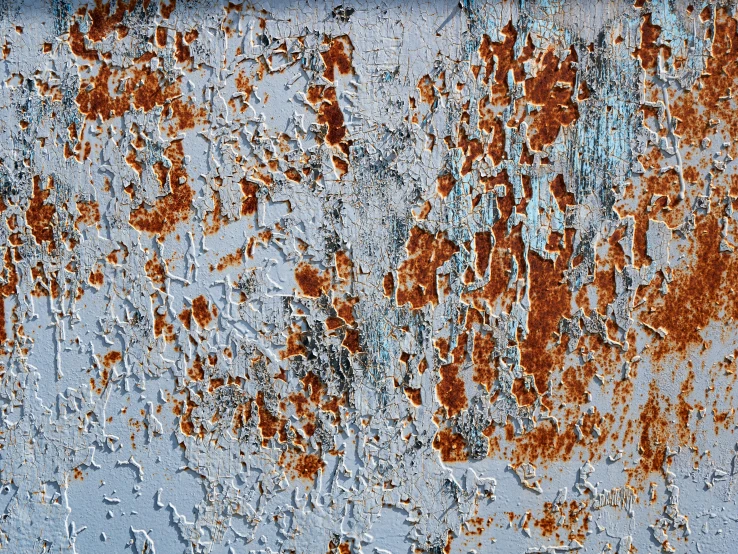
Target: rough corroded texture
{"type": "Point", "coordinates": [411, 276]}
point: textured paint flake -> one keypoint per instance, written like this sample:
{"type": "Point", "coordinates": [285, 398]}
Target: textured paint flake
{"type": "Point", "coordinates": [379, 277]}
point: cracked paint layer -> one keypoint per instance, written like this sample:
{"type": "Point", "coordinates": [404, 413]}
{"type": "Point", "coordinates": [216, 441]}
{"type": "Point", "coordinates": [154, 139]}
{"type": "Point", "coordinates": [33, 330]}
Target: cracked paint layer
{"type": "Point", "coordinates": [379, 277]}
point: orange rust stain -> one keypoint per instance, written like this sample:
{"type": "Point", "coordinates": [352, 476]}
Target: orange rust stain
{"type": "Point", "coordinates": [451, 446]}
{"type": "Point", "coordinates": [483, 249]}
{"type": "Point", "coordinates": [547, 90]}
{"type": "Point", "coordinates": [201, 311]}
{"type": "Point", "coordinates": [345, 308]}
{"type": "Point", "coordinates": [330, 114]}
{"type": "Point", "coordinates": [174, 208]}
{"type": "Point", "coordinates": [696, 107]}
{"type": "Point", "coordinates": [546, 444]}
{"type": "Point", "coordinates": [250, 200]}
{"type": "Point", "coordinates": [344, 265]}
{"type": "Point", "coordinates": [307, 466]}
{"type": "Point", "coordinates": [426, 89]}
{"type": "Point", "coordinates": [295, 345]}
{"type": "Point", "coordinates": [111, 358]}
{"type": "Point", "coordinates": [484, 371]}
{"type": "Point", "coordinates": [163, 327]}
{"type": "Point", "coordinates": [182, 46]}
{"type": "Point", "coordinates": [40, 214]}
{"type": "Point", "coordinates": [506, 60]}
{"type": "Point", "coordinates": [244, 85]}
{"type": "Point", "coordinates": [388, 284]}
{"type": "Point", "coordinates": [167, 9]}
{"type": "Point", "coordinates": [196, 371]}
{"type": "Point", "coordinates": [155, 271]}
{"type": "Point", "coordinates": [142, 90]}
{"type": "Point", "coordinates": [184, 113]}
{"type": "Point", "coordinates": [648, 51]}
{"type": "Point", "coordinates": [96, 279]}
{"type": "Point", "coordinates": [698, 295]}
{"type": "Point", "coordinates": [341, 166]}
{"type": "Point", "coordinates": [234, 259]}
{"type": "Point", "coordinates": [414, 396]}
{"type": "Point", "coordinates": [338, 57]}
{"type": "Point", "coordinates": [269, 424]}
{"type": "Point", "coordinates": [241, 416]}
{"type": "Point", "coordinates": [352, 341]}
{"type": "Point", "coordinates": [89, 214]}
{"type": "Point", "coordinates": [655, 433]}
{"type": "Point", "coordinates": [185, 317]}
{"type": "Point", "coordinates": [312, 282]}
{"type": "Point", "coordinates": [416, 276]}
{"type": "Point", "coordinates": [445, 184]}
{"type": "Point", "coordinates": [550, 299]}
{"type": "Point", "coordinates": [103, 22]}
{"type": "Point", "coordinates": [451, 389]}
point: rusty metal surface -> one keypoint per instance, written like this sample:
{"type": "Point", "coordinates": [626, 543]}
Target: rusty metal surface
{"type": "Point", "coordinates": [391, 277]}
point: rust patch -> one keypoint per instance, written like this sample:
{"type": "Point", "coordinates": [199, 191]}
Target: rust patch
{"type": "Point", "coordinates": [416, 276]}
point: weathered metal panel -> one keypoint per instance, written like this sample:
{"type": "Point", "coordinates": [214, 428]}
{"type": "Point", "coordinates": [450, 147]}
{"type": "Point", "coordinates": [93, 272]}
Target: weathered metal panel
{"type": "Point", "coordinates": [374, 277]}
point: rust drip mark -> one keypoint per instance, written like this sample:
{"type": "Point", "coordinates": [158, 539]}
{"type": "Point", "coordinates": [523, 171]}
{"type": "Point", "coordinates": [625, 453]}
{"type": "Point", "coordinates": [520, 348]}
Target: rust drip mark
{"type": "Point", "coordinates": [338, 57]}
{"type": "Point", "coordinates": [416, 276]}
{"type": "Point", "coordinates": [312, 282]}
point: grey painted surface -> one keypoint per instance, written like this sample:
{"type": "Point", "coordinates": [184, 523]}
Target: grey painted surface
{"type": "Point", "coordinates": [379, 277]}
